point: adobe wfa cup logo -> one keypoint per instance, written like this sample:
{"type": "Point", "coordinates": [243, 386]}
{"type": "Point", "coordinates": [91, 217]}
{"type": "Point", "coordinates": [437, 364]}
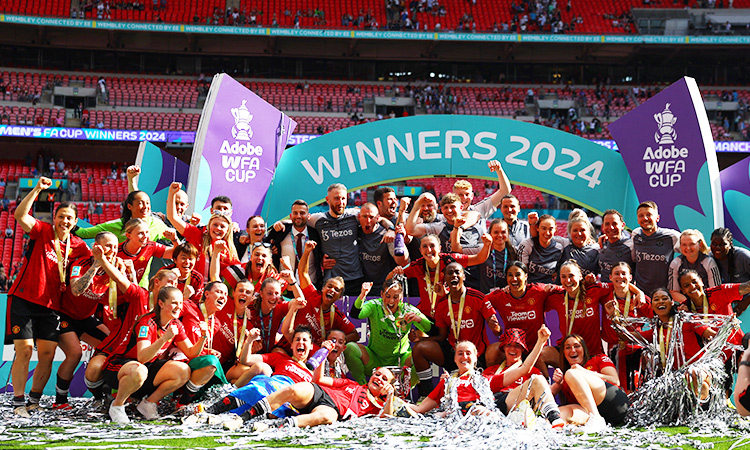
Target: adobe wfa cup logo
{"type": "Point", "coordinates": [242, 117]}
{"type": "Point", "coordinates": [666, 133]}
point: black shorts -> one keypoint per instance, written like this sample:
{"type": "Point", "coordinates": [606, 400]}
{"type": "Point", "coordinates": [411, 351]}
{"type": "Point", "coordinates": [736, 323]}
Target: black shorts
{"type": "Point", "coordinates": [320, 398]}
{"type": "Point", "coordinates": [31, 321]}
{"type": "Point", "coordinates": [744, 399]}
{"type": "Point", "coordinates": [500, 401]}
{"type": "Point", "coordinates": [615, 405]}
{"type": "Point", "coordinates": [80, 327]}
{"type": "Point", "coordinates": [449, 356]}
{"type": "Point", "coordinates": [114, 366]}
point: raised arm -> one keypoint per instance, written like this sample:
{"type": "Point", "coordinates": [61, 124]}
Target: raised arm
{"type": "Point", "coordinates": [133, 172]}
{"type": "Point", "coordinates": [122, 282]}
{"type": "Point", "coordinates": [481, 257]}
{"type": "Point", "coordinates": [303, 269]}
{"type": "Point", "coordinates": [318, 377]}
{"type": "Point", "coordinates": [214, 269]}
{"type": "Point", "coordinates": [80, 284]}
{"type": "Point", "coordinates": [503, 184]}
{"type": "Point", "coordinates": [514, 373]}
{"type": "Point", "coordinates": [411, 225]}
{"type": "Point", "coordinates": [22, 210]}
{"type": "Point", "coordinates": [172, 215]}
{"type": "Point", "coordinates": [287, 326]}
{"type": "Point", "coordinates": [194, 350]}
{"type": "Point", "coordinates": [246, 356]}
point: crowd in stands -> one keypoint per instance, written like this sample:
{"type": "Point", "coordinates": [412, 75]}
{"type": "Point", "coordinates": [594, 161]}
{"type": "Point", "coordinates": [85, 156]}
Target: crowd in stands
{"type": "Point", "coordinates": [509, 16]}
{"type": "Point", "coordinates": [594, 106]}
{"type": "Point", "coordinates": [217, 314]}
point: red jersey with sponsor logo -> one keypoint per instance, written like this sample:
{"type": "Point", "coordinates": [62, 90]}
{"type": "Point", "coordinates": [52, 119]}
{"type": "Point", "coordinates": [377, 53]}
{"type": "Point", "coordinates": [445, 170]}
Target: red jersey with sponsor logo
{"type": "Point", "coordinates": [417, 269]}
{"type": "Point", "coordinates": [142, 259]}
{"type": "Point", "coordinates": [720, 300]}
{"type": "Point", "coordinates": [84, 306]}
{"type": "Point", "coordinates": [608, 333]}
{"type": "Point", "coordinates": [310, 315]}
{"type": "Point", "coordinates": [464, 389]}
{"type": "Point", "coordinates": [135, 305]}
{"type": "Point", "coordinates": [351, 398]}
{"type": "Point", "coordinates": [268, 324]}
{"type": "Point", "coordinates": [596, 364]}
{"type": "Point", "coordinates": [191, 318]}
{"type": "Point", "coordinates": [585, 316]}
{"type": "Point", "coordinates": [496, 375]}
{"type": "Point", "coordinates": [146, 329]}
{"type": "Point", "coordinates": [476, 310]}
{"type": "Point", "coordinates": [285, 365]}
{"type": "Point", "coordinates": [526, 313]}
{"type": "Point", "coordinates": [38, 280]}
{"type": "Point", "coordinates": [196, 281]}
{"type": "Point", "coordinates": [194, 235]}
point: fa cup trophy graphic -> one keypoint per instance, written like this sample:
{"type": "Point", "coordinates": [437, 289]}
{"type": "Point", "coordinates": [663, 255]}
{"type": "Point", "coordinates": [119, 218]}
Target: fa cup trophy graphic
{"type": "Point", "coordinates": [666, 133]}
{"type": "Point", "coordinates": [242, 117]}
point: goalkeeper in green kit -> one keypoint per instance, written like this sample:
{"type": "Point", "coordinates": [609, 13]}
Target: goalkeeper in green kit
{"type": "Point", "coordinates": [390, 320]}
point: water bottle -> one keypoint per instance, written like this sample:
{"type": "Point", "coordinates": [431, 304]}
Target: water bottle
{"type": "Point", "coordinates": [399, 247]}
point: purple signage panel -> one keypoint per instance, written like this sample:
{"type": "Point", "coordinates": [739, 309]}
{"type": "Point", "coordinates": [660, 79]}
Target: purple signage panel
{"type": "Point", "coordinates": [667, 147]}
{"type": "Point", "coordinates": [735, 184]}
{"type": "Point", "coordinates": [239, 142]}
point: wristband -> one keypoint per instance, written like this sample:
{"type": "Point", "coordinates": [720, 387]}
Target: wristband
{"type": "Point", "coordinates": [391, 228]}
{"type": "Point", "coordinates": [745, 363]}
{"type": "Point", "coordinates": [292, 284]}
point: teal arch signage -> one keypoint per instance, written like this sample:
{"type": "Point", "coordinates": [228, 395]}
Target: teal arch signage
{"type": "Point", "coordinates": [390, 150]}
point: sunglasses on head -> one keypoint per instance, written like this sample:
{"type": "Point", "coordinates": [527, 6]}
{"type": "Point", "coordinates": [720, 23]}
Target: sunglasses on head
{"type": "Point", "coordinates": [264, 244]}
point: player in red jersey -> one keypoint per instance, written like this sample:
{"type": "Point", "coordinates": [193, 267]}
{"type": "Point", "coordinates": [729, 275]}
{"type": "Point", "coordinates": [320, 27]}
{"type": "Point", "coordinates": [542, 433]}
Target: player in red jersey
{"type": "Point", "coordinates": [134, 302]}
{"type": "Point", "coordinates": [189, 281]}
{"type": "Point", "coordinates": [460, 318]}
{"type": "Point", "coordinates": [89, 287]}
{"type": "Point", "coordinates": [428, 270]}
{"type": "Point", "coordinates": [623, 303]}
{"type": "Point", "coordinates": [472, 389]}
{"type": "Point", "coordinates": [219, 229]}
{"type": "Point", "coordinates": [200, 320]}
{"type": "Point", "coordinates": [140, 367]}
{"type": "Point", "coordinates": [521, 305]}
{"type": "Point", "coordinates": [36, 292]}
{"type": "Point", "coordinates": [139, 249]}
{"type": "Point", "coordinates": [590, 385]}
{"type": "Point", "coordinates": [320, 313]}
{"type": "Point", "coordinates": [257, 269]}
{"type": "Point", "coordinates": [715, 300]}
{"type": "Point", "coordinates": [327, 400]}
{"type": "Point", "coordinates": [516, 379]}
{"type": "Point", "coordinates": [578, 307]}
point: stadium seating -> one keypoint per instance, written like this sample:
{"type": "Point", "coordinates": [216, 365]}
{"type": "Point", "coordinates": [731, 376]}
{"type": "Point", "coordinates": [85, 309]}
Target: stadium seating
{"type": "Point", "coordinates": [23, 115]}
{"type": "Point", "coordinates": [601, 17]}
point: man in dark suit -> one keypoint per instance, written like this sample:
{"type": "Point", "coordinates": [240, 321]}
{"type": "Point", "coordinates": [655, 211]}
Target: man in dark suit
{"type": "Point", "coordinates": [291, 241]}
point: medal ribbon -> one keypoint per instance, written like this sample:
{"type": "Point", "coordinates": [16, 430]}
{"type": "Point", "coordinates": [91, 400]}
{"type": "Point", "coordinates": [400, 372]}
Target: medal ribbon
{"type": "Point", "coordinates": [185, 288]}
{"type": "Point", "coordinates": [62, 263]}
{"type": "Point", "coordinates": [665, 334]}
{"type": "Point", "coordinates": [209, 326]}
{"type": "Point", "coordinates": [456, 327]}
{"type": "Point", "coordinates": [239, 338]}
{"type": "Point", "coordinates": [266, 333]}
{"type": "Point", "coordinates": [432, 286]}
{"type": "Point", "coordinates": [322, 321]}
{"type": "Point", "coordinates": [568, 319]}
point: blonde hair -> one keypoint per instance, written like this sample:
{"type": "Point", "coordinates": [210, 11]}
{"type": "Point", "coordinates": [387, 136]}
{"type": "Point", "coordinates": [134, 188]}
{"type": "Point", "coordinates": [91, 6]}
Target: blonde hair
{"type": "Point", "coordinates": [228, 237]}
{"type": "Point", "coordinates": [698, 235]}
{"type": "Point", "coordinates": [132, 223]}
{"type": "Point", "coordinates": [462, 184]}
{"type": "Point", "coordinates": [576, 216]}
